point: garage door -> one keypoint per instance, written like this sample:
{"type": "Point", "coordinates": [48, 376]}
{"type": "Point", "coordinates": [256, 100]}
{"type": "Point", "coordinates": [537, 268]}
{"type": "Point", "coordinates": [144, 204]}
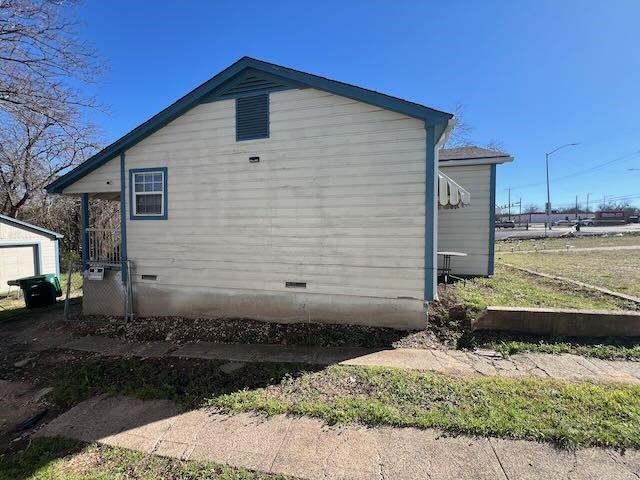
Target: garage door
{"type": "Point", "coordinates": [16, 262]}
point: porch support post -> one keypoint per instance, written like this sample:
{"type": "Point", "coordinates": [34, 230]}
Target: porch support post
{"type": "Point", "coordinates": [430, 218]}
{"type": "Point", "coordinates": [123, 221]}
{"type": "Point", "coordinates": [85, 226]}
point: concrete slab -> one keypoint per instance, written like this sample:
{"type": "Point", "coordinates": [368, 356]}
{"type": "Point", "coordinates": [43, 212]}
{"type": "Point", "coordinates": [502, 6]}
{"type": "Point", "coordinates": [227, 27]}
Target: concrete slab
{"type": "Point", "coordinates": [308, 448]}
{"type": "Point", "coordinates": [564, 366]}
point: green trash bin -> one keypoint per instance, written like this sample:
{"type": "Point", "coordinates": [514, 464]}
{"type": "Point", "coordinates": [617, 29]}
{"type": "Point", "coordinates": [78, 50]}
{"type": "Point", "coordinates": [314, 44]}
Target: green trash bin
{"type": "Point", "coordinates": [39, 290]}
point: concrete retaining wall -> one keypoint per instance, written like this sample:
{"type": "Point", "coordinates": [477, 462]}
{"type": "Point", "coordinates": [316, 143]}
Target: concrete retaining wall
{"type": "Point", "coordinates": [549, 321]}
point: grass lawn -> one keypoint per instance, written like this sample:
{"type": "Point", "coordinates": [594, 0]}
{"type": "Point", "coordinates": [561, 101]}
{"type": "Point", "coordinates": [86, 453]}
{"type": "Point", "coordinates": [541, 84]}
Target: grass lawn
{"type": "Point", "coordinates": [511, 288]}
{"type": "Point", "coordinates": [60, 459]}
{"type": "Point", "coordinates": [561, 412]}
{"type": "Point", "coordinates": [567, 414]}
{"type": "Point", "coordinates": [628, 239]}
{"type": "Point", "coordinates": [605, 348]}
{"type": "Point", "coordinates": [616, 270]}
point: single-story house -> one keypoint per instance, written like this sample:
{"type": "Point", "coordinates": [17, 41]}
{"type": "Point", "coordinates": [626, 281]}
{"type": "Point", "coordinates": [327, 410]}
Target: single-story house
{"type": "Point", "coordinates": [26, 250]}
{"type": "Point", "coordinates": [471, 230]}
{"type": "Point", "coordinates": [276, 194]}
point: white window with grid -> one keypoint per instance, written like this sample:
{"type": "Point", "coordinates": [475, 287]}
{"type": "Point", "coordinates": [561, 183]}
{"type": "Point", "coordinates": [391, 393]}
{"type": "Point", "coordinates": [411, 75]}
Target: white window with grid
{"type": "Point", "coordinates": [148, 188]}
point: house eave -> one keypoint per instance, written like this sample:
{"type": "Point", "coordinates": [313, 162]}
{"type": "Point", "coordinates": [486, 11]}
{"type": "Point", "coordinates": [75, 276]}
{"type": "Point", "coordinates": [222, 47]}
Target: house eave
{"type": "Point", "coordinates": [195, 97]}
{"type": "Point", "coordinates": [475, 161]}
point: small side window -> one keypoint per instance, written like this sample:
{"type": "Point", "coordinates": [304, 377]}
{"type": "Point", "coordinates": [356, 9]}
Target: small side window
{"type": "Point", "coordinates": [148, 187]}
{"type": "Point", "coordinates": [252, 117]}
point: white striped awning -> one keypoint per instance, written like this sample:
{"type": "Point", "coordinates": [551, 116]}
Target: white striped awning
{"type": "Point", "coordinates": [450, 194]}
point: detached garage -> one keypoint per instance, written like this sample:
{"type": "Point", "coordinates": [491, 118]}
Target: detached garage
{"type": "Point", "coordinates": [26, 250]}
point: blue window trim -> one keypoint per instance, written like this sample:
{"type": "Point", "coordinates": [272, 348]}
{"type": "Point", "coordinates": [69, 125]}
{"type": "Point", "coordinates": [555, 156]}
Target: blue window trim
{"type": "Point", "coordinates": [132, 215]}
{"type": "Point", "coordinates": [492, 220]}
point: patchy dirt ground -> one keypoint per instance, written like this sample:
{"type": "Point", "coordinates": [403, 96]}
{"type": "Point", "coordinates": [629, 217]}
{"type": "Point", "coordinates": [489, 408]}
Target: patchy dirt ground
{"type": "Point", "coordinates": [25, 382]}
{"type": "Point", "coordinates": [446, 320]}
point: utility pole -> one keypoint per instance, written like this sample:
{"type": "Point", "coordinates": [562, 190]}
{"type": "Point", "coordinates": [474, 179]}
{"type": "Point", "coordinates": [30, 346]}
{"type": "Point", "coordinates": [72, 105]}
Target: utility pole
{"type": "Point", "coordinates": [509, 203]}
{"type": "Point", "coordinates": [520, 210]}
{"type": "Point", "coordinates": [588, 204]}
{"type": "Point", "coordinates": [548, 207]}
{"type": "Point", "coordinates": [576, 207]}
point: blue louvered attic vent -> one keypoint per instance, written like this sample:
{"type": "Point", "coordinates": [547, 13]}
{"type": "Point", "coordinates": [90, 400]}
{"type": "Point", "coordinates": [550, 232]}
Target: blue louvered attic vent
{"type": "Point", "coordinates": [252, 117]}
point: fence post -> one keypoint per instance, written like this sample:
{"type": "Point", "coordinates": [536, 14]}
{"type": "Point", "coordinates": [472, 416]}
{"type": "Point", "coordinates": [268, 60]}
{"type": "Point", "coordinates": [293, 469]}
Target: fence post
{"type": "Point", "coordinates": [85, 230]}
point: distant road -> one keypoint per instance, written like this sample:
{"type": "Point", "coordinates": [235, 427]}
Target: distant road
{"type": "Point", "coordinates": [538, 231]}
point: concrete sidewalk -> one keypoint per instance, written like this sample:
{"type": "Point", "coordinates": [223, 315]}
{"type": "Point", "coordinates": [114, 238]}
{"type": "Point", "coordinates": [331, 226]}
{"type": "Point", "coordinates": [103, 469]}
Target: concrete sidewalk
{"type": "Point", "coordinates": [308, 448]}
{"type": "Point", "coordinates": [452, 362]}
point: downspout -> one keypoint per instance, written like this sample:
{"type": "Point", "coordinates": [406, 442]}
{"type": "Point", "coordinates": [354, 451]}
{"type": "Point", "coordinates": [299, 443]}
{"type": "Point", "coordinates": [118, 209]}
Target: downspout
{"type": "Point", "coordinates": [430, 219]}
{"type": "Point", "coordinates": [433, 144]}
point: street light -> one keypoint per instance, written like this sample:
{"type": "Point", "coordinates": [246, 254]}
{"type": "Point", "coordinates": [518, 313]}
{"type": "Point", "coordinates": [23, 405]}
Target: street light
{"type": "Point", "coordinates": [548, 224]}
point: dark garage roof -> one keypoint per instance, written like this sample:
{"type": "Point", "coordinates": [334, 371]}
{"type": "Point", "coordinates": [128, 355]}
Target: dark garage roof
{"type": "Point", "coordinates": [29, 226]}
{"type": "Point", "coordinates": [471, 153]}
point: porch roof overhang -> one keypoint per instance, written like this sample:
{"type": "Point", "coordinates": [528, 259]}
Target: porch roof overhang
{"type": "Point", "coordinates": [450, 193]}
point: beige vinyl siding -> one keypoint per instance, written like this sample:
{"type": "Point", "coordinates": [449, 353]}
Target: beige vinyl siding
{"type": "Point", "coordinates": [337, 200]}
{"type": "Point", "coordinates": [467, 229]}
{"type": "Point", "coordinates": [13, 235]}
{"type": "Point", "coordinates": [105, 178]}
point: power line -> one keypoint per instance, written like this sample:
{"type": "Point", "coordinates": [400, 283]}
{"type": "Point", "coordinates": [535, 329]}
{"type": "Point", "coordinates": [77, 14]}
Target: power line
{"type": "Point", "coordinates": [581, 172]}
{"type": "Point", "coordinates": [609, 198]}
{"type": "Point", "coordinates": [613, 198]}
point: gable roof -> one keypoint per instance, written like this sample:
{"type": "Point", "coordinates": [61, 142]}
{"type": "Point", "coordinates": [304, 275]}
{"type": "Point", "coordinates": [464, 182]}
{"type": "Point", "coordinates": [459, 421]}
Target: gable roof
{"type": "Point", "coordinates": [218, 88]}
{"type": "Point", "coordinates": [29, 226]}
{"type": "Point", "coordinates": [473, 154]}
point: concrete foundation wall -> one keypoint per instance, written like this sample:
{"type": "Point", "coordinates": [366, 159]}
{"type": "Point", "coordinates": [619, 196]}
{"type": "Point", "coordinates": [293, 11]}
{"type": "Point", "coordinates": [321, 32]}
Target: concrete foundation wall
{"type": "Point", "coordinates": [287, 307]}
{"type": "Point", "coordinates": [543, 321]}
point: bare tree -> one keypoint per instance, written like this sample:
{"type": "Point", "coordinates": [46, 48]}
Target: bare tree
{"type": "Point", "coordinates": [34, 150]}
{"type": "Point", "coordinates": [531, 208]}
{"type": "Point", "coordinates": [39, 55]}
{"type": "Point", "coordinates": [494, 144]}
{"type": "Point", "coordinates": [43, 130]}
{"type": "Point", "coordinates": [462, 133]}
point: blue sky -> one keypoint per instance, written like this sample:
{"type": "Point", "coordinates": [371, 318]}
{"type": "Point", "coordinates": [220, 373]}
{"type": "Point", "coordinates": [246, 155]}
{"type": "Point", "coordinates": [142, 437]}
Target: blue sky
{"type": "Point", "coordinates": [531, 74]}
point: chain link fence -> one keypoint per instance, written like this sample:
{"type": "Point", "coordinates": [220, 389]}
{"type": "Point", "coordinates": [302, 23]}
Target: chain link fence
{"type": "Point", "coordinates": [97, 291]}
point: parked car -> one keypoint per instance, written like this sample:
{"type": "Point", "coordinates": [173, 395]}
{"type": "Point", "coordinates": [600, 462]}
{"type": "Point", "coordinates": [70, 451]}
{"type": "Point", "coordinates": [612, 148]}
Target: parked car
{"type": "Point", "coordinates": [505, 224]}
{"type": "Point", "coordinates": [565, 223]}
{"type": "Point", "coordinates": [586, 222]}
